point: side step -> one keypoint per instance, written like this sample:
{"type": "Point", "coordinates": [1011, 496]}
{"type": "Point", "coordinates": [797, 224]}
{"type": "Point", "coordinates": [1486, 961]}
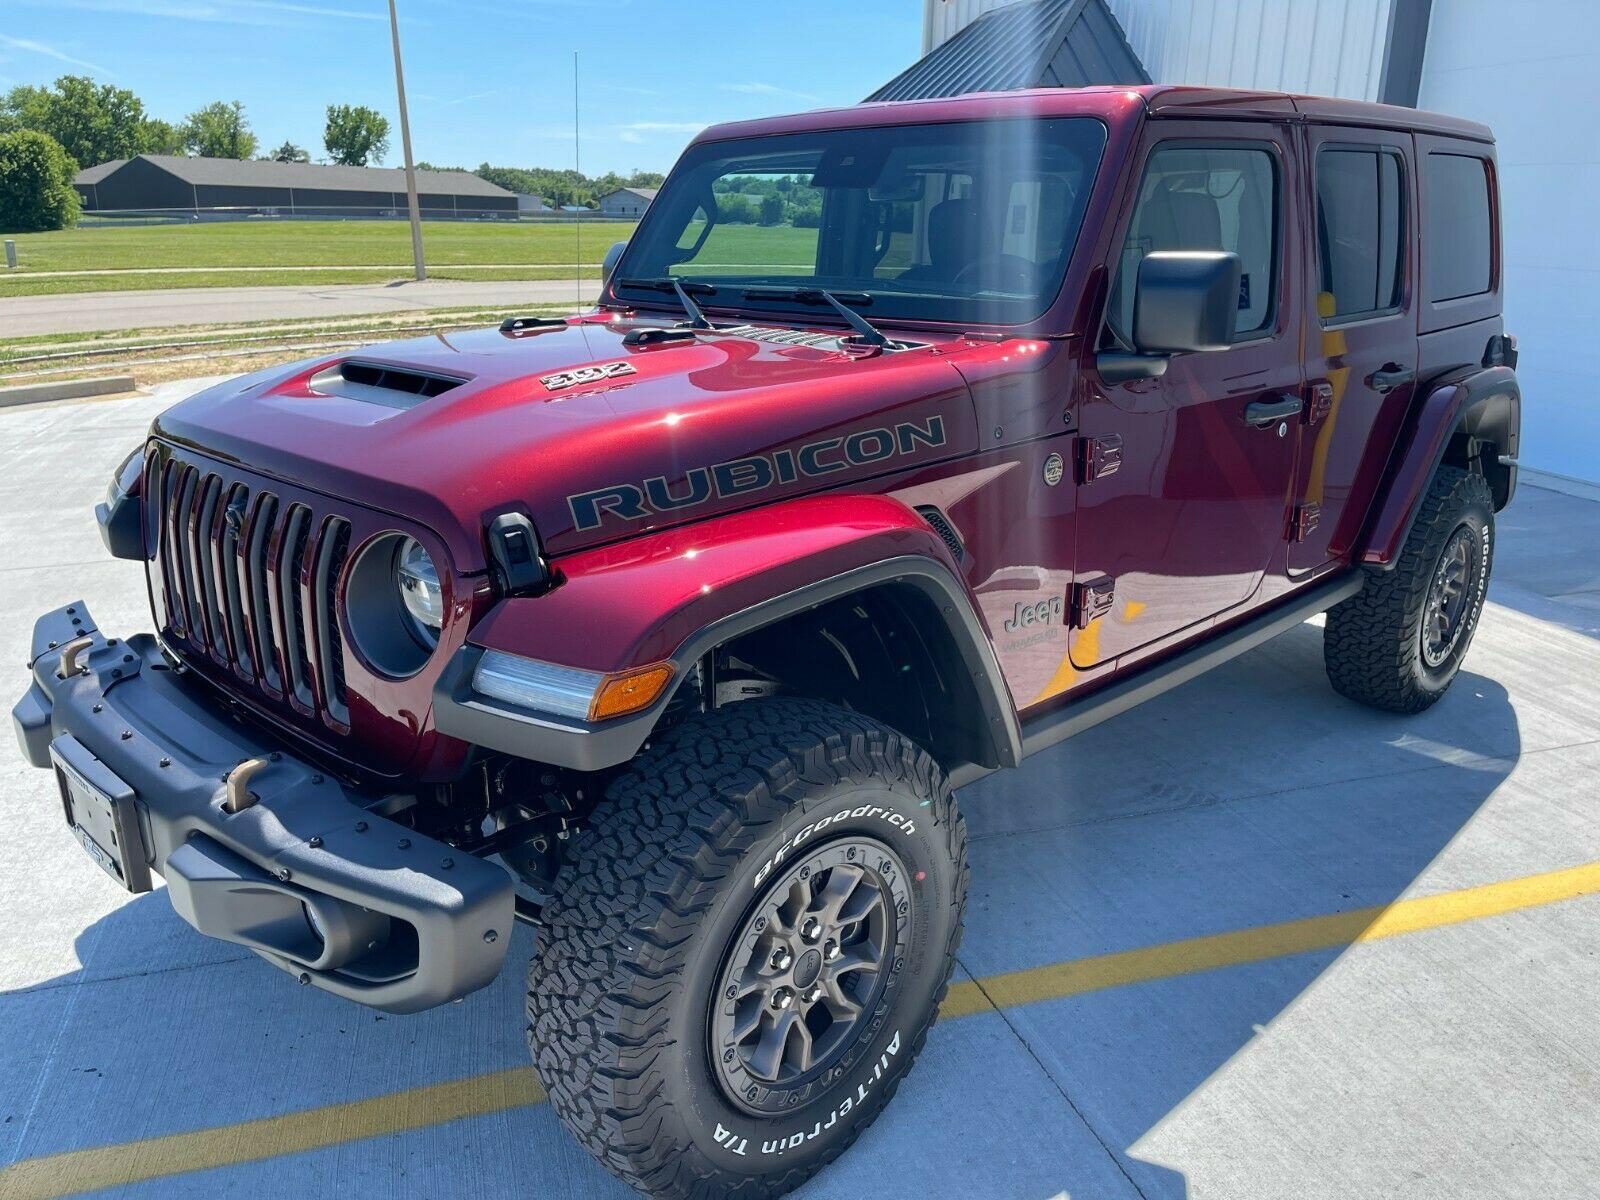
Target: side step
{"type": "Point", "coordinates": [1118, 697]}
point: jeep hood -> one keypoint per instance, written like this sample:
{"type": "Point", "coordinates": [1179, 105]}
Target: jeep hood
{"type": "Point", "coordinates": [518, 424]}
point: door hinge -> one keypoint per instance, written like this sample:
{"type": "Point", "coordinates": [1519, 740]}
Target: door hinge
{"type": "Point", "coordinates": [1099, 457]}
{"type": "Point", "coordinates": [1092, 599]}
{"type": "Point", "coordinates": [1304, 521]}
{"type": "Point", "coordinates": [1319, 403]}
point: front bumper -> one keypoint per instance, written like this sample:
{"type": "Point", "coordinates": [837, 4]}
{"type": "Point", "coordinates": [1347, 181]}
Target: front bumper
{"type": "Point", "coordinates": [402, 922]}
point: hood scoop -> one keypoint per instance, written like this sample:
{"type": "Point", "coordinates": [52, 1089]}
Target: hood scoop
{"type": "Point", "coordinates": [382, 383]}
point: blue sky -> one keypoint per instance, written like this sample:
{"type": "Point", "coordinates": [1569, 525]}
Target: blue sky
{"type": "Point", "coordinates": [487, 81]}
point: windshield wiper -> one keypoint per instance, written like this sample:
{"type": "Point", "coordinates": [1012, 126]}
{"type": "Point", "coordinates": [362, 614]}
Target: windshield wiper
{"type": "Point", "coordinates": [697, 318]}
{"type": "Point", "coordinates": [864, 328]}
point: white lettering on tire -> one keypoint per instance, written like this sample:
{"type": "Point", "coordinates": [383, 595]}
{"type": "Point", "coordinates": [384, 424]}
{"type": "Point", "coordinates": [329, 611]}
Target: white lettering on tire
{"type": "Point", "coordinates": [785, 1142]}
{"type": "Point", "coordinates": [896, 820]}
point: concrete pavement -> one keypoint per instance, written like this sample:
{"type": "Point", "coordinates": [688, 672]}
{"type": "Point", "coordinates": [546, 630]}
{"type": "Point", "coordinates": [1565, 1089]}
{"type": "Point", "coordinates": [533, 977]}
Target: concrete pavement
{"type": "Point", "coordinates": [25, 316]}
{"type": "Point", "coordinates": [1457, 1061]}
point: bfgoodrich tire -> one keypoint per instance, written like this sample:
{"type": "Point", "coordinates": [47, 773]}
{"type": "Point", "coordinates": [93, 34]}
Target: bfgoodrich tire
{"type": "Point", "coordinates": [1398, 643]}
{"type": "Point", "coordinates": [748, 945]}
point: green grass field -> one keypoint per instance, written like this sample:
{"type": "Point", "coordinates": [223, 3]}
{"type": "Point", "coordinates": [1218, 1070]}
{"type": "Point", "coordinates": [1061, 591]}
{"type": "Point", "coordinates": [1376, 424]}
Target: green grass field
{"type": "Point", "coordinates": [311, 252]}
{"type": "Point", "coordinates": [341, 252]}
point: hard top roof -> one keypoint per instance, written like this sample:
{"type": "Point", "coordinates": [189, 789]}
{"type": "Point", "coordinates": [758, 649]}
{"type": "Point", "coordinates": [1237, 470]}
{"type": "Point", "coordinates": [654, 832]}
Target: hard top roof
{"type": "Point", "coordinates": [1114, 103]}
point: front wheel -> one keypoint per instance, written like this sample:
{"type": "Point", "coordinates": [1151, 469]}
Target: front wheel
{"type": "Point", "coordinates": [747, 948]}
{"type": "Point", "coordinates": [1398, 643]}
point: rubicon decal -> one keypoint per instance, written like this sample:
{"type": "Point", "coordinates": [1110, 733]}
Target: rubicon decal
{"type": "Point", "coordinates": [658, 495]}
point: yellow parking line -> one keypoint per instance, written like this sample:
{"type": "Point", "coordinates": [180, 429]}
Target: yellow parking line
{"type": "Point", "coordinates": [1057, 980]}
{"type": "Point", "coordinates": [229, 1145]}
{"type": "Point", "coordinates": [248, 1141]}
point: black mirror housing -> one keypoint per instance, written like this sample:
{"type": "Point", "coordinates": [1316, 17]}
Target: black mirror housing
{"type": "Point", "coordinates": [609, 263]}
{"type": "Point", "coordinates": [1186, 301]}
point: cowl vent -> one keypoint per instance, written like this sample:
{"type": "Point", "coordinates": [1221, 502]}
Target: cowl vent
{"type": "Point", "coordinates": [378, 383]}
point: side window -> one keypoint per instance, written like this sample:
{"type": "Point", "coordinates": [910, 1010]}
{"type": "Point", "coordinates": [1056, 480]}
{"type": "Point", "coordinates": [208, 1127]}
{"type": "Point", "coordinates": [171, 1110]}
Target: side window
{"type": "Point", "coordinates": [1361, 245]}
{"type": "Point", "coordinates": [1206, 198]}
{"type": "Point", "coordinates": [1458, 234]}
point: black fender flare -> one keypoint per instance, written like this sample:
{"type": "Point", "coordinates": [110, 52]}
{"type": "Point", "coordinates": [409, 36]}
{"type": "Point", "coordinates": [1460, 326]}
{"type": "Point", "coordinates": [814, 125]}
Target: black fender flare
{"type": "Point", "coordinates": [459, 712]}
{"type": "Point", "coordinates": [1480, 404]}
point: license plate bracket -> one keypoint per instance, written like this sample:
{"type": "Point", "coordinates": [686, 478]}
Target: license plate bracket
{"type": "Point", "coordinates": [101, 813]}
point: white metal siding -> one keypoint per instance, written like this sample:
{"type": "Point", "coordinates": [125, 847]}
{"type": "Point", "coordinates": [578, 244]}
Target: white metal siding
{"type": "Point", "coordinates": [1533, 75]}
{"type": "Point", "coordinates": [1322, 47]}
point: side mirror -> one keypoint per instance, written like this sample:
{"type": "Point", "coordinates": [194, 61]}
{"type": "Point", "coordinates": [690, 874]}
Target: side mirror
{"type": "Point", "coordinates": [1186, 301]}
{"type": "Point", "coordinates": [609, 263]}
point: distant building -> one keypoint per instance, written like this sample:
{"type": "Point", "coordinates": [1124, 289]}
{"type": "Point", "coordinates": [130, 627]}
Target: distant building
{"type": "Point", "coordinates": [167, 183]}
{"type": "Point", "coordinates": [627, 201]}
{"type": "Point", "coordinates": [532, 204]}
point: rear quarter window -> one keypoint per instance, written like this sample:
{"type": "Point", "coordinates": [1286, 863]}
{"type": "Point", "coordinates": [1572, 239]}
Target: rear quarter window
{"type": "Point", "coordinates": [1457, 236]}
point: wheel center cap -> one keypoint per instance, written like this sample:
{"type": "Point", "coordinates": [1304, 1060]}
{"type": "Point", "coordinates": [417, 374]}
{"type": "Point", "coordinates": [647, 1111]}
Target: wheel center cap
{"type": "Point", "coordinates": [808, 968]}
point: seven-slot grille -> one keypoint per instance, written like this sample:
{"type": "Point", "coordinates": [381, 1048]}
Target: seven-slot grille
{"type": "Point", "coordinates": [249, 580]}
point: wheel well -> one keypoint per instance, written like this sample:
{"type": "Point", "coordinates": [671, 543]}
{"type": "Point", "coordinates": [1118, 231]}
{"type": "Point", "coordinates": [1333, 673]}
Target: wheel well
{"type": "Point", "coordinates": [886, 652]}
{"type": "Point", "coordinates": [1487, 429]}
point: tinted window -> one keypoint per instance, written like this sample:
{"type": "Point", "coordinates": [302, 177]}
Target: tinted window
{"type": "Point", "coordinates": [1456, 238]}
{"type": "Point", "coordinates": [971, 221]}
{"type": "Point", "coordinates": [1206, 198]}
{"type": "Point", "coordinates": [1360, 232]}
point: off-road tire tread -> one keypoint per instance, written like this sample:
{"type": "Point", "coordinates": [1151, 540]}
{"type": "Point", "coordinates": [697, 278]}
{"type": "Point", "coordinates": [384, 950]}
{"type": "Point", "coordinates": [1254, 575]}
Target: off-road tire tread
{"type": "Point", "coordinates": [1369, 644]}
{"type": "Point", "coordinates": [639, 879]}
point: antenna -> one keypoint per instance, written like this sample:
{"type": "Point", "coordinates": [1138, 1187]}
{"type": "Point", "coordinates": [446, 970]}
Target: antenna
{"type": "Point", "coordinates": [577, 167]}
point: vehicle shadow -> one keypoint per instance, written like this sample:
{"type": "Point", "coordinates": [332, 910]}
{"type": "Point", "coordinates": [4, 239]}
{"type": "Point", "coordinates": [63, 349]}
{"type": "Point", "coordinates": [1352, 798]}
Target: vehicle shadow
{"type": "Point", "coordinates": [1251, 797]}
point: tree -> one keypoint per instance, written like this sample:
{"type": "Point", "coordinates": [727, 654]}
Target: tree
{"type": "Point", "coordinates": [356, 136]}
{"type": "Point", "coordinates": [35, 183]}
{"type": "Point", "coordinates": [219, 130]}
{"type": "Point", "coordinates": [289, 152]}
{"type": "Point", "coordinates": [160, 137]}
{"type": "Point", "coordinates": [93, 123]}
{"type": "Point", "coordinates": [772, 210]}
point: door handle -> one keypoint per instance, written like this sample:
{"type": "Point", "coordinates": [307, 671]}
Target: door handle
{"type": "Point", "coordinates": [1262, 413]}
{"type": "Point", "coordinates": [1390, 376]}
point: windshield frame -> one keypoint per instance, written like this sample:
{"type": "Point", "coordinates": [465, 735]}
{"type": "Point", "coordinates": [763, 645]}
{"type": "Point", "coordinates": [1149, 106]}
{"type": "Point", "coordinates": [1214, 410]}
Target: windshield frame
{"type": "Point", "coordinates": [729, 298]}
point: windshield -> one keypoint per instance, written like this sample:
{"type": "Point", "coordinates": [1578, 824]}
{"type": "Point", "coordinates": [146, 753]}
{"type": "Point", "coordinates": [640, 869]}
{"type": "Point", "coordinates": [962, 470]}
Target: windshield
{"type": "Point", "coordinates": [970, 222]}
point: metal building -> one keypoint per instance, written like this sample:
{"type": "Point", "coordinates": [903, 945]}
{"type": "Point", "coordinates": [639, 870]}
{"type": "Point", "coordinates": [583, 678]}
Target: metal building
{"type": "Point", "coordinates": [163, 184]}
{"type": "Point", "coordinates": [1530, 71]}
{"type": "Point", "coordinates": [627, 201]}
{"type": "Point", "coordinates": [1048, 43]}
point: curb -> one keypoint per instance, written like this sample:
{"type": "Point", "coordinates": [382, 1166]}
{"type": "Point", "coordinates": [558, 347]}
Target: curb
{"type": "Point", "coordinates": [71, 389]}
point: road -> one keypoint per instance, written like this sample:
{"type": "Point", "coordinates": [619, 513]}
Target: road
{"type": "Point", "coordinates": [1176, 978]}
{"type": "Point", "coordinates": [92, 312]}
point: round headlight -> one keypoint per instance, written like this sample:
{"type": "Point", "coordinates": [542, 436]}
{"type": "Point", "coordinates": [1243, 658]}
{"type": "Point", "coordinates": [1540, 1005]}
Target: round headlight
{"type": "Point", "coordinates": [394, 604]}
{"type": "Point", "coordinates": [418, 581]}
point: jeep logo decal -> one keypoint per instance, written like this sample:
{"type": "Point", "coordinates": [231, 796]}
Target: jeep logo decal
{"type": "Point", "coordinates": [594, 374]}
{"type": "Point", "coordinates": [655, 496]}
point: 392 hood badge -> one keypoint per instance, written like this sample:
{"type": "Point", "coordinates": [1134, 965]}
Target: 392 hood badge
{"type": "Point", "coordinates": [594, 374]}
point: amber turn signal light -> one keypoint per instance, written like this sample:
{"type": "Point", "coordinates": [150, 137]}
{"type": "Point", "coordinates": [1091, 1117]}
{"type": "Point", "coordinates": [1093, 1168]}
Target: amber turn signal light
{"type": "Point", "coordinates": [629, 691]}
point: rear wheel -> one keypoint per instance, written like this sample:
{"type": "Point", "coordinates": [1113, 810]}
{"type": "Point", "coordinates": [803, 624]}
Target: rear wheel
{"type": "Point", "coordinates": [747, 948]}
{"type": "Point", "coordinates": [1398, 644]}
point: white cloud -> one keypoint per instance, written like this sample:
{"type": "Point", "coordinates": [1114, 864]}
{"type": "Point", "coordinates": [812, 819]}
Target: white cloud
{"type": "Point", "coordinates": [638, 131]}
{"type": "Point", "coordinates": [767, 89]}
{"type": "Point", "coordinates": [33, 47]}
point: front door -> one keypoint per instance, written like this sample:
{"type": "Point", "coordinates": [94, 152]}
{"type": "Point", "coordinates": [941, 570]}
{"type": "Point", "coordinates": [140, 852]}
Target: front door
{"type": "Point", "coordinates": [1184, 480]}
{"type": "Point", "coordinates": [1362, 343]}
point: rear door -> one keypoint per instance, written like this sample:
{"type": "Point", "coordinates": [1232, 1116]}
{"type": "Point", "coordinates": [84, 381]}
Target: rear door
{"type": "Point", "coordinates": [1183, 482]}
{"type": "Point", "coordinates": [1361, 352]}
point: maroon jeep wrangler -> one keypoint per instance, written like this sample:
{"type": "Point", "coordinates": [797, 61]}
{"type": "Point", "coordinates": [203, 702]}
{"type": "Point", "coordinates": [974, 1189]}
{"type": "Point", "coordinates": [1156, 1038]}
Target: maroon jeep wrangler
{"type": "Point", "coordinates": [906, 441]}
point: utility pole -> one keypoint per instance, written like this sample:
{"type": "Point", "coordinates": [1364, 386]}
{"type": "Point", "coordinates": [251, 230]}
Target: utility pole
{"type": "Point", "coordinates": [405, 143]}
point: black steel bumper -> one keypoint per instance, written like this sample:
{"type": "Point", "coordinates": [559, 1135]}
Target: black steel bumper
{"type": "Point", "coordinates": [303, 874]}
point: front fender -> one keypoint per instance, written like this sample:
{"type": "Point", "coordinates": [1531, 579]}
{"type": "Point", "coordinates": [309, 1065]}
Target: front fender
{"type": "Point", "coordinates": [1484, 404]}
{"type": "Point", "coordinates": [675, 595]}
